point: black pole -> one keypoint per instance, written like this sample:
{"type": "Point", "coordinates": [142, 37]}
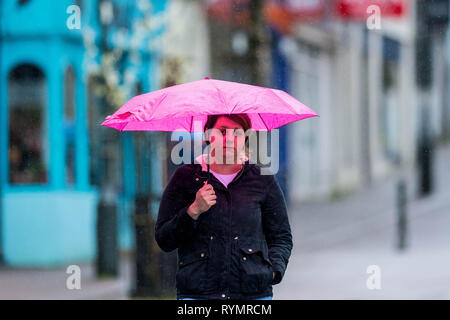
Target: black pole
{"type": "Point", "coordinates": [148, 281]}
{"type": "Point", "coordinates": [258, 40]}
{"type": "Point", "coordinates": [259, 44]}
{"type": "Point", "coordinates": [424, 76]}
{"type": "Point", "coordinates": [153, 268]}
{"type": "Point", "coordinates": [107, 225]}
{"type": "Point", "coordinates": [255, 41]}
{"type": "Point", "coordinates": [143, 283]}
{"type": "Point", "coordinates": [425, 154]}
{"type": "Point", "coordinates": [107, 242]}
{"type": "Point", "coordinates": [401, 215]}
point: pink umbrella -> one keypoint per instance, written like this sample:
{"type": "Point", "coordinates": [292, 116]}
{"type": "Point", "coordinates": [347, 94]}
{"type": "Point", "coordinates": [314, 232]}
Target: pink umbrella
{"type": "Point", "coordinates": [176, 108]}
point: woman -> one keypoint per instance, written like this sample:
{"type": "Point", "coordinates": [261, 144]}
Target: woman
{"type": "Point", "coordinates": [230, 225]}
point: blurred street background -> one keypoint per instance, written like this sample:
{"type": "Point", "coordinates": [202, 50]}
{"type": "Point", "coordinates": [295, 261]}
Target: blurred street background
{"type": "Point", "coordinates": [367, 184]}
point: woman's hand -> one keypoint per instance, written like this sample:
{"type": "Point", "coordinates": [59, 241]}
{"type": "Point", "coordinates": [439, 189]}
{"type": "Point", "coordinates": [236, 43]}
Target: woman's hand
{"type": "Point", "coordinates": [204, 199]}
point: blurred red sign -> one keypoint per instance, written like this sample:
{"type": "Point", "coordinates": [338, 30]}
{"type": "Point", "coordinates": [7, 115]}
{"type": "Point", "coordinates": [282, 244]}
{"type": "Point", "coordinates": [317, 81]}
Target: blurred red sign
{"type": "Point", "coordinates": [283, 14]}
{"type": "Point", "coordinates": [357, 9]}
{"type": "Point", "coordinates": [280, 14]}
{"type": "Point", "coordinates": [235, 12]}
{"type": "Point", "coordinates": [309, 9]}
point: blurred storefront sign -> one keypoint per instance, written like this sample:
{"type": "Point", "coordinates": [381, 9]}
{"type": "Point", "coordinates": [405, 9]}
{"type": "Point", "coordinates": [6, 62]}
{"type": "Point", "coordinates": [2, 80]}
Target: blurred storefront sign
{"type": "Point", "coordinates": [280, 14]}
{"type": "Point", "coordinates": [234, 12]}
{"type": "Point", "coordinates": [283, 14]}
{"type": "Point", "coordinates": [357, 9]}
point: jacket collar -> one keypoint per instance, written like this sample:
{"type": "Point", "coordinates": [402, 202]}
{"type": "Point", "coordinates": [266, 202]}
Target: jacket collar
{"type": "Point", "coordinates": [202, 160]}
{"type": "Point", "coordinates": [202, 168]}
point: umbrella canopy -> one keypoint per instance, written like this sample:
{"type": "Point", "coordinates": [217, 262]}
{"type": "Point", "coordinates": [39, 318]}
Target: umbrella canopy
{"type": "Point", "coordinates": [176, 108]}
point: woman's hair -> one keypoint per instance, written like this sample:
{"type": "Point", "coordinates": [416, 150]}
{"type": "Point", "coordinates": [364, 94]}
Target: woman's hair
{"type": "Point", "coordinates": [240, 118]}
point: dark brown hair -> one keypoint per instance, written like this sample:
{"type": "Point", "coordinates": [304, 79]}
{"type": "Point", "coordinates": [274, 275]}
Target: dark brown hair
{"type": "Point", "coordinates": [241, 118]}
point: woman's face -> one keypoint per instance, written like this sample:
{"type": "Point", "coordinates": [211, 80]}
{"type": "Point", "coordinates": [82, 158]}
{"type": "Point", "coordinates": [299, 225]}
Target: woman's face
{"type": "Point", "coordinates": [232, 136]}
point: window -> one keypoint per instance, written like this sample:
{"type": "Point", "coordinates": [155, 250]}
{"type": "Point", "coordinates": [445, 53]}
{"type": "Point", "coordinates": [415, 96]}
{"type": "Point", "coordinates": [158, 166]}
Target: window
{"type": "Point", "coordinates": [27, 135]}
{"type": "Point", "coordinates": [69, 124]}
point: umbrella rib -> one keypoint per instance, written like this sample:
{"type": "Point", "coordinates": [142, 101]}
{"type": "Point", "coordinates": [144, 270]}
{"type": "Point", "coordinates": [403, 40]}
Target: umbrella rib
{"type": "Point", "coordinates": [192, 120]}
{"type": "Point", "coordinates": [219, 93]}
{"type": "Point", "coordinates": [263, 121]}
{"type": "Point", "coordinates": [123, 128]}
{"type": "Point", "coordinates": [161, 99]}
{"type": "Point", "coordinates": [284, 102]}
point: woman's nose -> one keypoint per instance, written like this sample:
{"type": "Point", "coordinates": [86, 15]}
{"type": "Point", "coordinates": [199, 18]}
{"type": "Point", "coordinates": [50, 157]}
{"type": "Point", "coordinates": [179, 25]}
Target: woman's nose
{"type": "Point", "coordinates": [229, 138]}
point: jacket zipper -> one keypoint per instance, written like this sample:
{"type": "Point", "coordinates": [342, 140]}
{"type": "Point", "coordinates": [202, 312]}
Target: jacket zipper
{"type": "Point", "coordinates": [230, 236]}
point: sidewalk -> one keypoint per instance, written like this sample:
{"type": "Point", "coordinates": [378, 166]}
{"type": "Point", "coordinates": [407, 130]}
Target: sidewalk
{"type": "Point", "coordinates": [335, 242]}
{"type": "Point", "coordinates": [46, 284]}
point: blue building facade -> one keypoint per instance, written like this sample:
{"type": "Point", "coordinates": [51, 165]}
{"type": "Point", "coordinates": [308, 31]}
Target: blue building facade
{"type": "Point", "coordinates": [49, 194]}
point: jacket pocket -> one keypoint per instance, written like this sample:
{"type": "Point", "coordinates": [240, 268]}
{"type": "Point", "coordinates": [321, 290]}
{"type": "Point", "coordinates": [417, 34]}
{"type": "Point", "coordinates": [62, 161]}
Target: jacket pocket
{"type": "Point", "coordinates": [192, 271]}
{"type": "Point", "coordinates": [256, 269]}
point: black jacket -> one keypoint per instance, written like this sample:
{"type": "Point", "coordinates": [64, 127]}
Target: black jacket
{"type": "Point", "coordinates": [232, 249]}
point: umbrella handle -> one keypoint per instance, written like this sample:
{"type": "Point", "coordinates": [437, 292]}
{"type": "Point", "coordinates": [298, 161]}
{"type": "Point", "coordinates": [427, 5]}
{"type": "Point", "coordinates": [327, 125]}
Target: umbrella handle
{"type": "Point", "coordinates": [207, 164]}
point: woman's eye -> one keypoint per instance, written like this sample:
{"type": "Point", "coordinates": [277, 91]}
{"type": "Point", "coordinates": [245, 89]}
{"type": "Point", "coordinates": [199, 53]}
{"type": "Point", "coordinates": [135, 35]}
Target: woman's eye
{"type": "Point", "coordinates": [236, 133]}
